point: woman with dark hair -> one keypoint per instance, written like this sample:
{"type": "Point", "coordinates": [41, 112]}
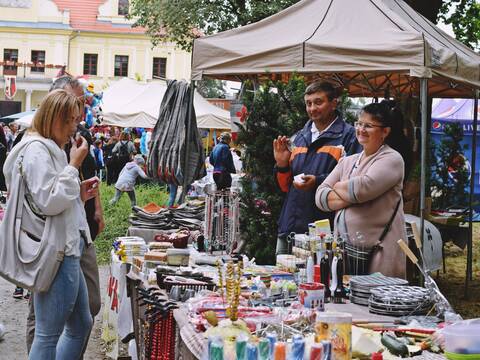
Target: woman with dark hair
{"type": "Point", "coordinates": [365, 190]}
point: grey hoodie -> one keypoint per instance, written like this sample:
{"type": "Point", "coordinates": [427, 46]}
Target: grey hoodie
{"type": "Point", "coordinates": [128, 176]}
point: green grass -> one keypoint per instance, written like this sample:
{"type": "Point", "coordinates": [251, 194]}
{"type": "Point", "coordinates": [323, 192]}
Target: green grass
{"type": "Point", "coordinates": [116, 217]}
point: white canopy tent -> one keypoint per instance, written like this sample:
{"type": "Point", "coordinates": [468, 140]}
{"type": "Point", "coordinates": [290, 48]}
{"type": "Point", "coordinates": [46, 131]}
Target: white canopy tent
{"type": "Point", "coordinates": [363, 45]}
{"type": "Point", "coordinates": [129, 103]}
{"type": "Point", "coordinates": [372, 48]}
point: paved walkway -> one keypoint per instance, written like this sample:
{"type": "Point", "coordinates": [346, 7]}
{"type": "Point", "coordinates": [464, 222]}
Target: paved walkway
{"type": "Point", "coordinates": [13, 315]}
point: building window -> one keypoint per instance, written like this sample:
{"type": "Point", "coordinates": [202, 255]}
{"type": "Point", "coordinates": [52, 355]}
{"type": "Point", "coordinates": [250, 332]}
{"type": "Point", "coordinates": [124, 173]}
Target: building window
{"type": "Point", "coordinates": [121, 65]}
{"type": "Point", "coordinates": [123, 6]}
{"type": "Point", "coordinates": [90, 64]}
{"type": "Point", "coordinates": [159, 67]}
{"type": "Point", "coordinates": [10, 55]}
{"type": "Point", "coordinates": [38, 60]}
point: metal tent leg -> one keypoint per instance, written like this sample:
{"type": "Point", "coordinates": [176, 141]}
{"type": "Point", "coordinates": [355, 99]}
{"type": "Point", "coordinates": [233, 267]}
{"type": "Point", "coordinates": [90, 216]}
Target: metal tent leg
{"type": "Point", "coordinates": [469, 272]}
{"type": "Point", "coordinates": [423, 160]}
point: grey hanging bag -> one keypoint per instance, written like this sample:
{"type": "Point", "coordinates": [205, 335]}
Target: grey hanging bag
{"type": "Point", "coordinates": [29, 258]}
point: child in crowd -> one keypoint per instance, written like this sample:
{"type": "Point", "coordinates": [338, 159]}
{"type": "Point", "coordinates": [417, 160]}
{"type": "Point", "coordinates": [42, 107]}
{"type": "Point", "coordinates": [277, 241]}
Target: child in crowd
{"type": "Point", "coordinates": [126, 180]}
{"type": "Point", "coordinates": [99, 160]}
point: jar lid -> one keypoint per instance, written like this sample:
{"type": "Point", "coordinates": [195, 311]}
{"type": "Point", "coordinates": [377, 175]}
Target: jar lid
{"type": "Point", "coordinates": [334, 317]}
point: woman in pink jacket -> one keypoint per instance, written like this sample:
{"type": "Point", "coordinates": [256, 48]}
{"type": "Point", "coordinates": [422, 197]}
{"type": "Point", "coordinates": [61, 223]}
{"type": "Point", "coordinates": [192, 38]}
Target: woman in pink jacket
{"type": "Point", "coordinates": [365, 190]}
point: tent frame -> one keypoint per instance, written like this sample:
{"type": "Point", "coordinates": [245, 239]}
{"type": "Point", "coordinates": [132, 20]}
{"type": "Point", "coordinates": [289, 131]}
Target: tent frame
{"type": "Point", "coordinates": [369, 84]}
{"type": "Point", "coordinates": [469, 271]}
{"type": "Point", "coordinates": [436, 65]}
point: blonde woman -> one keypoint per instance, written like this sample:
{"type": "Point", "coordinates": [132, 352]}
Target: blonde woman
{"type": "Point", "coordinates": [63, 320]}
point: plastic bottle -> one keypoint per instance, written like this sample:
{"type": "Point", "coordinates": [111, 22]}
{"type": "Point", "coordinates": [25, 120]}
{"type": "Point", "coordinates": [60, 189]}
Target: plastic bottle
{"type": "Point", "coordinates": [280, 351]}
{"type": "Point", "coordinates": [310, 269]}
{"type": "Point", "coordinates": [298, 349]}
{"type": "Point", "coordinates": [316, 351]}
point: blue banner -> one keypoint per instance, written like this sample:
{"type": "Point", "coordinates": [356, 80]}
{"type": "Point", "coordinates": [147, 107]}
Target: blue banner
{"type": "Point", "coordinates": [460, 111]}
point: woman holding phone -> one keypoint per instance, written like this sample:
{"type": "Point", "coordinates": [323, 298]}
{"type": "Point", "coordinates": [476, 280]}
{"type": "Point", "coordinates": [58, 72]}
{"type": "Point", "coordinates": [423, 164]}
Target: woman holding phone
{"type": "Point", "coordinates": [53, 192]}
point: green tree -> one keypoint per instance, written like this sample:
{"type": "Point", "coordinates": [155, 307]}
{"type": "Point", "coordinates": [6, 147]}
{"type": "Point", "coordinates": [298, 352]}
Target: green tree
{"type": "Point", "coordinates": [183, 20]}
{"type": "Point", "coordinates": [344, 106]}
{"type": "Point", "coordinates": [465, 20]}
{"type": "Point", "coordinates": [449, 177]}
{"type": "Point", "coordinates": [274, 109]}
{"type": "Point", "coordinates": [210, 88]}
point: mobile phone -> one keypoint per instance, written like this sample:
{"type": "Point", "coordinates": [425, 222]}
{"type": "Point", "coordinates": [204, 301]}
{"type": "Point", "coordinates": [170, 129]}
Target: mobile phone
{"type": "Point", "coordinates": [78, 139]}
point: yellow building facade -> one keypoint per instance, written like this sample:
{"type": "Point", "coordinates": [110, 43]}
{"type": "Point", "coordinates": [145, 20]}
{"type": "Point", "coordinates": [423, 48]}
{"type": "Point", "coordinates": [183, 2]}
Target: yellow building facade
{"type": "Point", "coordinates": [89, 37]}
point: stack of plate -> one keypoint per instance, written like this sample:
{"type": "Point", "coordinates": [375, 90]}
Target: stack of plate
{"type": "Point", "coordinates": [361, 285]}
{"type": "Point", "coordinates": [399, 300]}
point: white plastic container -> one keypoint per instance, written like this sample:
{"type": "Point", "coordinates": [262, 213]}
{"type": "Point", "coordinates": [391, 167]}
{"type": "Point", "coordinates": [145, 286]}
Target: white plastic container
{"type": "Point", "coordinates": [463, 337]}
{"type": "Point", "coordinates": [178, 257]}
{"type": "Point", "coordinates": [337, 328]}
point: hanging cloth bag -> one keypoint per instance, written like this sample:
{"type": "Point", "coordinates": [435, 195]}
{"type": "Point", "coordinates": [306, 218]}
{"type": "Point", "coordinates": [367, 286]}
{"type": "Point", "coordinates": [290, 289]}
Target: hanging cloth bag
{"type": "Point", "coordinates": [29, 258]}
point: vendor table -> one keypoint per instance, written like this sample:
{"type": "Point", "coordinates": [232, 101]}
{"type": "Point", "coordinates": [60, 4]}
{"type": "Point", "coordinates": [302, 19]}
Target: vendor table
{"type": "Point", "coordinates": [146, 234]}
{"type": "Point", "coordinates": [139, 319]}
{"type": "Point", "coordinates": [193, 344]}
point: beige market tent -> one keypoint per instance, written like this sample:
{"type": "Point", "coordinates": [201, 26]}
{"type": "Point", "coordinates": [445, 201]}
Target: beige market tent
{"type": "Point", "coordinates": [129, 103]}
{"type": "Point", "coordinates": [370, 47]}
{"type": "Point", "coordinates": [365, 45]}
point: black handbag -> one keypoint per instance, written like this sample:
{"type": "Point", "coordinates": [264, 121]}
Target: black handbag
{"type": "Point", "coordinates": [358, 257]}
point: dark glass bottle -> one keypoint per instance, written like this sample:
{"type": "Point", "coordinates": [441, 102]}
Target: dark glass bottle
{"type": "Point", "coordinates": [325, 275]}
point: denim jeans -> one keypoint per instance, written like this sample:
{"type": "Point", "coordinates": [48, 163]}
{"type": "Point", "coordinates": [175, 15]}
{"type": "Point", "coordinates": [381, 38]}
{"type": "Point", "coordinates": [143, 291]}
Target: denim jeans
{"type": "Point", "coordinates": [62, 315]}
{"type": "Point", "coordinates": [172, 188]}
{"type": "Point", "coordinates": [118, 194]}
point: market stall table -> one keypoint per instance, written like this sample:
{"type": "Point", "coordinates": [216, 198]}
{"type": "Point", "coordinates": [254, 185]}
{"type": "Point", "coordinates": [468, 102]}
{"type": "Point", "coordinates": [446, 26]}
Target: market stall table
{"type": "Point", "coordinates": [193, 344]}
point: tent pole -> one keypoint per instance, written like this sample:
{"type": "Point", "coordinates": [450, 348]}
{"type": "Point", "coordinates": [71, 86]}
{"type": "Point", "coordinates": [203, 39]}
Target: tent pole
{"type": "Point", "coordinates": [423, 159]}
{"type": "Point", "coordinates": [468, 275]}
{"type": "Point", "coordinates": [187, 139]}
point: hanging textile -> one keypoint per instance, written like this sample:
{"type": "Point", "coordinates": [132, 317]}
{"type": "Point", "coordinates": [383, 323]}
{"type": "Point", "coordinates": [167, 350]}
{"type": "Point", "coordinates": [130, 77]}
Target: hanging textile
{"type": "Point", "coordinates": [169, 141]}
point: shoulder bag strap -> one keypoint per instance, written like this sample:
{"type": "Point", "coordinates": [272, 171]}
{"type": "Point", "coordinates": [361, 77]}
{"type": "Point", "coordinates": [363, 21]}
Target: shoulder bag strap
{"type": "Point", "coordinates": [22, 192]}
{"type": "Point", "coordinates": [27, 195]}
{"type": "Point", "coordinates": [389, 224]}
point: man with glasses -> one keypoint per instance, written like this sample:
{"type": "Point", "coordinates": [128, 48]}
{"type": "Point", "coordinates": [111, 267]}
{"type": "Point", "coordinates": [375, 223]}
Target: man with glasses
{"type": "Point", "coordinates": [305, 160]}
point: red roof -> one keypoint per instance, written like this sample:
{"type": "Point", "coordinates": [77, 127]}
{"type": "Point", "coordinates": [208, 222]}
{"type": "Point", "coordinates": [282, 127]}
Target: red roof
{"type": "Point", "coordinates": [83, 16]}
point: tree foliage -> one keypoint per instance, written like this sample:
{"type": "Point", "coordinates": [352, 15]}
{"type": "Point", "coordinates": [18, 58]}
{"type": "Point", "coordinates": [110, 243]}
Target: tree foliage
{"type": "Point", "coordinates": [183, 20]}
{"type": "Point", "coordinates": [274, 109]}
{"type": "Point", "coordinates": [465, 20]}
{"type": "Point", "coordinates": [450, 175]}
{"type": "Point", "coordinates": [210, 88]}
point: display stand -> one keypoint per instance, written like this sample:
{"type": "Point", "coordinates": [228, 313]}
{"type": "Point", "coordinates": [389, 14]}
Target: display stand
{"type": "Point", "coordinates": [139, 321]}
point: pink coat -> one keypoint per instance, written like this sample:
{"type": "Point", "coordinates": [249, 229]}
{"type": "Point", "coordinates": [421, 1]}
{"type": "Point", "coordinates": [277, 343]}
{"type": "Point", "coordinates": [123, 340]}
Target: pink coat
{"type": "Point", "coordinates": [375, 187]}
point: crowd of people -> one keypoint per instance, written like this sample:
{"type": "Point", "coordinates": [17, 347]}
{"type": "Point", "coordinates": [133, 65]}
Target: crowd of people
{"type": "Point", "coordinates": [62, 164]}
{"type": "Point", "coordinates": [351, 175]}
